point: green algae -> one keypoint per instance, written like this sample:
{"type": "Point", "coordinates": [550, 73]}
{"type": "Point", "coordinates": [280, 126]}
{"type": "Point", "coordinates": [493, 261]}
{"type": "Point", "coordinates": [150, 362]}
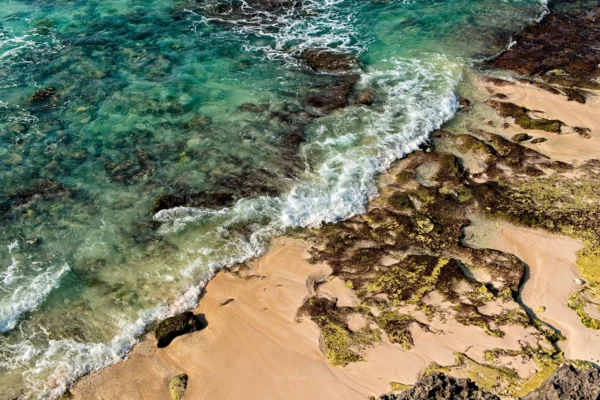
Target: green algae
{"type": "Point", "coordinates": [577, 304]}
{"type": "Point", "coordinates": [540, 124]}
{"type": "Point", "coordinates": [338, 345]}
{"type": "Point", "coordinates": [177, 386]}
{"type": "Point", "coordinates": [399, 387]}
{"type": "Point", "coordinates": [342, 346]}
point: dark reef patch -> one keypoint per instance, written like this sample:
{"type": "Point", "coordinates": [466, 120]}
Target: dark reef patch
{"type": "Point", "coordinates": [563, 49]}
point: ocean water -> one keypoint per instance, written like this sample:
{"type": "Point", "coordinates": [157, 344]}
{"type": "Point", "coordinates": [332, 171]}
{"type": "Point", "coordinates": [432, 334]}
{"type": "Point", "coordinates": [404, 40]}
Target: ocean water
{"type": "Point", "coordinates": [151, 99]}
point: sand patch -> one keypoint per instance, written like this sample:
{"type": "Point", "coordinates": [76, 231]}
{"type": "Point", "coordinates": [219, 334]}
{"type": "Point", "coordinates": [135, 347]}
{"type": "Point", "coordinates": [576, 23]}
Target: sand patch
{"type": "Point", "coordinates": [336, 289]}
{"type": "Point", "coordinates": [568, 147]}
{"type": "Point", "coordinates": [552, 279]}
{"type": "Point", "coordinates": [254, 347]}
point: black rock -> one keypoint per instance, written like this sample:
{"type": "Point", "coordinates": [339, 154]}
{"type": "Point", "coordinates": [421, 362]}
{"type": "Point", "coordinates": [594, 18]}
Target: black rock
{"type": "Point", "coordinates": [172, 327]}
{"type": "Point", "coordinates": [440, 386]}
{"type": "Point", "coordinates": [569, 383]}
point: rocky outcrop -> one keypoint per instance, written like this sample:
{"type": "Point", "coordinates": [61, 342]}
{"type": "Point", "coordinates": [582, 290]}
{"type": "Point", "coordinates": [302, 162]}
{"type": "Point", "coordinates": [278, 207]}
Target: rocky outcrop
{"type": "Point", "coordinates": [440, 386]}
{"type": "Point", "coordinates": [562, 49]}
{"type": "Point", "coordinates": [569, 383]}
{"type": "Point", "coordinates": [178, 325]}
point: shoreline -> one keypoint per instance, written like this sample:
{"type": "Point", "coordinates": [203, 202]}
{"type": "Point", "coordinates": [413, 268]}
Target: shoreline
{"type": "Point", "coordinates": [165, 363]}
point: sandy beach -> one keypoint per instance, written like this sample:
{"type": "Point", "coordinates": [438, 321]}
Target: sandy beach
{"type": "Point", "coordinates": [262, 342]}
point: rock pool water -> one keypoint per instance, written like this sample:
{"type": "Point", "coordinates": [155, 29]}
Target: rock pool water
{"type": "Point", "coordinates": [144, 145]}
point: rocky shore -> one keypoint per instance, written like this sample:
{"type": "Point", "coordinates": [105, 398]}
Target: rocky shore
{"type": "Point", "coordinates": [474, 275]}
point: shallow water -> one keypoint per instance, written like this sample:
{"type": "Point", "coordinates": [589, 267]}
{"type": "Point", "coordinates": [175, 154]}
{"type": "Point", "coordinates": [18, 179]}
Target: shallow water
{"type": "Point", "coordinates": [149, 102]}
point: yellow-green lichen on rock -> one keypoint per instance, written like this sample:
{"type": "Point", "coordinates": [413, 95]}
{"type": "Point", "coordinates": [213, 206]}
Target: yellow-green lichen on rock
{"type": "Point", "coordinates": [177, 386]}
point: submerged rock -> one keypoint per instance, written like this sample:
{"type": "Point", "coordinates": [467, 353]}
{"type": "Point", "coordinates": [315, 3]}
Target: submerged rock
{"type": "Point", "coordinates": [334, 96]}
{"type": "Point", "coordinates": [327, 61]}
{"type": "Point", "coordinates": [172, 327]}
{"type": "Point", "coordinates": [202, 199]}
{"type": "Point", "coordinates": [43, 190]}
{"type": "Point", "coordinates": [248, 12]}
{"type": "Point", "coordinates": [440, 386]}
{"type": "Point", "coordinates": [43, 95]}
{"type": "Point", "coordinates": [366, 97]}
{"type": "Point", "coordinates": [569, 383]}
{"type": "Point", "coordinates": [177, 386]}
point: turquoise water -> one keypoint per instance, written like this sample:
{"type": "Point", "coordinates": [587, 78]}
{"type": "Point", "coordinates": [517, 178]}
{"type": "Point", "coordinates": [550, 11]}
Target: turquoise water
{"type": "Point", "coordinates": [151, 99]}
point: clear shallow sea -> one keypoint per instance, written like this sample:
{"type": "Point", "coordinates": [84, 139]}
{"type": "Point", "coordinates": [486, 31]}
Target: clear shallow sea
{"type": "Point", "coordinates": [148, 103]}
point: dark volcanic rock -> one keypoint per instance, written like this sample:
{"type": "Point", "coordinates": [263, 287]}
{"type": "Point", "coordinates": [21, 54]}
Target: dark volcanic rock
{"type": "Point", "coordinates": [43, 95]}
{"type": "Point", "coordinates": [440, 386]}
{"type": "Point", "coordinates": [583, 132]}
{"type": "Point", "coordinates": [172, 327]}
{"type": "Point", "coordinates": [568, 383]}
{"type": "Point", "coordinates": [565, 41]}
{"type": "Point", "coordinates": [522, 118]}
{"type": "Point", "coordinates": [329, 62]}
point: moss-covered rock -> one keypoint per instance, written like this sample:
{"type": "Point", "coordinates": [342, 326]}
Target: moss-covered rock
{"type": "Point", "coordinates": [341, 345]}
{"type": "Point", "coordinates": [520, 137]}
{"type": "Point", "coordinates": [522, 118]}
{"type": "Point", "coordinates": [177, 386]}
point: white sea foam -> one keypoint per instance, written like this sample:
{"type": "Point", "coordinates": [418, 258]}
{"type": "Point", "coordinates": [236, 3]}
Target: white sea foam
{"type": "Point", "coordinates": [70, 359]}
{"type": "Point", "coordinates": [24, 293]}
{"type": "Point", "coordinates": [287, 32]}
